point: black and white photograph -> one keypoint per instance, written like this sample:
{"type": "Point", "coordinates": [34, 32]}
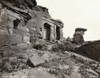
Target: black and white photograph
{"type": "Point", "coordinates": [49, 38]}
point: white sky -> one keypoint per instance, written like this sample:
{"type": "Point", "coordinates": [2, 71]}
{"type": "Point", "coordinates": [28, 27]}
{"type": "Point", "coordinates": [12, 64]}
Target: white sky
{"type": "Point", "coordinates": [76, 13]}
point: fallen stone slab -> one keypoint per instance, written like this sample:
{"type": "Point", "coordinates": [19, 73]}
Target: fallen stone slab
{"type": "Point", "coordinates": [34, 60]}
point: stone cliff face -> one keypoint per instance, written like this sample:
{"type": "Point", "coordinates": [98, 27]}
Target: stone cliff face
{"type": "Point", "coordinates": [24, 22]}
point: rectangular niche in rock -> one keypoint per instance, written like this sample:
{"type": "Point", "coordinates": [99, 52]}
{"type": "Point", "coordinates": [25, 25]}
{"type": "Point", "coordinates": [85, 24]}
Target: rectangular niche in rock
{"type": "Point", "coordinates": [57, 33]}
{"type": "Point", "coordinates": [47, 31]}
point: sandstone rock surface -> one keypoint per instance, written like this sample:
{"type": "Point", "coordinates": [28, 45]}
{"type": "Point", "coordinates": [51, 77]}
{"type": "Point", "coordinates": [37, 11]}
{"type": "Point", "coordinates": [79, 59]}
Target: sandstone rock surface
{"type": "Point", "coordinates": [26, 27]}
{"type": "Point", "coordinates": [91, 50]}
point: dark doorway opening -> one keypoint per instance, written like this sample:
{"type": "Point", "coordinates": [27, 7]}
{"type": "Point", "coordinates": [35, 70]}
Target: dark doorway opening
{"type": "Point", "coordinates": [47, 31]}
{"type": "Point", "coordinates": [16, 22]}
{"type": "Point", "coordinates": [57, 33]}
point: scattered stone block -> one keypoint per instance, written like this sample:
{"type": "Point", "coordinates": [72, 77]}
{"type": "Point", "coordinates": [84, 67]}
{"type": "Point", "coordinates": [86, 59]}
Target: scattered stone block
{"type": "Point", "coordinates": [35, 60]}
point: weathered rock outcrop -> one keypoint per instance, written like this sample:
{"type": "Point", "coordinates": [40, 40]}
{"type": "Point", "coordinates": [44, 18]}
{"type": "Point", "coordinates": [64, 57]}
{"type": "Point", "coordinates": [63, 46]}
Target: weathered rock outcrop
{"type": "Point", "coordinates": [91, 50]}
{"type": "Point", "coordinates": [25, 21]}
{"type": "Point", "coordinates": [19, 3]}
{"type": "Point", "coordinates": [78, 35]}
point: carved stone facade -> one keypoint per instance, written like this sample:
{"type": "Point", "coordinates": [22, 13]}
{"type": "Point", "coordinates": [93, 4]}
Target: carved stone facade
{"type": "Point", "coordinates": [51, 30]}
{"type": "Point", "coordinates": [26, 25]}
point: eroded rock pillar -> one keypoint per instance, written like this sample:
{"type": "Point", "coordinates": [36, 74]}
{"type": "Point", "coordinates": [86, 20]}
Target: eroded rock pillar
{"type": "Point", "coordinates": [61, 33]}
{"type": "Point", "coordinates": [52, 33]}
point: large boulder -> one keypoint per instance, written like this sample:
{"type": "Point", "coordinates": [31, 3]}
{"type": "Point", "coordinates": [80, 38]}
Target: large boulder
{"type": "Point", "coordinates": [91, 50]}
